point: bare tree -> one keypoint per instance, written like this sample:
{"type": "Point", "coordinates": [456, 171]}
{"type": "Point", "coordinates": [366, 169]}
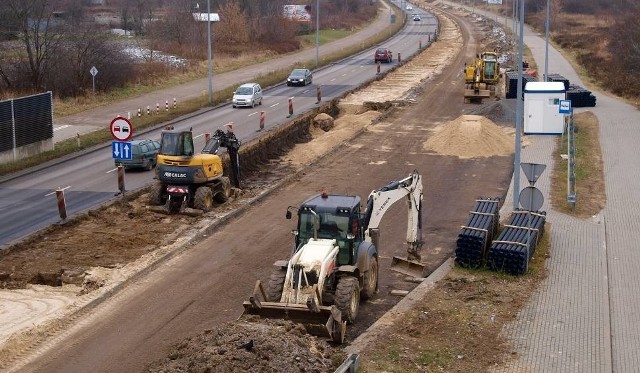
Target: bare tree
{"type": "Point", "coordinates": [39, 35]}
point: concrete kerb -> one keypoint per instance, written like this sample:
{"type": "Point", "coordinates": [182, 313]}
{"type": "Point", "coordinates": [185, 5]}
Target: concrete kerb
{"type": "Point", "coordinates": [418, 294]}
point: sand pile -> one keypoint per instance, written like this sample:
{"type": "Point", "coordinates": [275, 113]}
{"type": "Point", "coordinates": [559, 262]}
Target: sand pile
{"type": "Point", "coordinates": [470, 136]}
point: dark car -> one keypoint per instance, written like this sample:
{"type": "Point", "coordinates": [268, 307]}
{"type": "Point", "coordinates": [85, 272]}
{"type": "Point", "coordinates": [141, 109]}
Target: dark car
{"type": "Point", "coordinates": [300, 77]}
{"type": "Point", "coordinates": [416, 17]}
{"type": "Point", "coordinates": [383, 55]}
{"type": "Point", "coordinates": [143, 155]}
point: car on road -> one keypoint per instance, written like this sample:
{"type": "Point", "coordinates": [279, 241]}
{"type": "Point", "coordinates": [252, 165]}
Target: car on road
{"type": "Point", "coordinates": [383, 55]}
{"type": "Point", "coordinates": [416, 17]}
{"type": "Point", "coordinates": [409, 7]}
{"type": "Point", "coordinates": [248, 94]}
{"type": "Point", "coordinates": [300, 77]}
{"type": "Point", "coordinates": [143, 155]}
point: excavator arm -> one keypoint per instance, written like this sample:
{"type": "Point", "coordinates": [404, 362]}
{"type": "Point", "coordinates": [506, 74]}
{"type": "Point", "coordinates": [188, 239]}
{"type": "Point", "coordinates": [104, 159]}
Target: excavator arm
{"type": "Point", "coordinates": [379, 202]}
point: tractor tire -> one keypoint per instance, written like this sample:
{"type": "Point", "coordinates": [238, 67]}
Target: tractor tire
{"type": "Point", "coordinates": [347, 298]}
{"type": "Point", "coordinates": [370, 283]}
{"type": "Point", "coordinates": [156, 194]}
{"type": "Point", "coordinates": [203, 199]}
{"type": "Point", "coordinates": [223, 190]}
{"type": "Point", "coordinates": [276, 284]}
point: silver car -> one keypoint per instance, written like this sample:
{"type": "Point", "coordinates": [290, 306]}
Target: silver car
{"type": "Point", "coordinates": [249, 94]}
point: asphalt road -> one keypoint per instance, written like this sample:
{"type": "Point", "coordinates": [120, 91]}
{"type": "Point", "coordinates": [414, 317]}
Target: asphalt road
{"type": "Point", "coordinates": [28, 200]}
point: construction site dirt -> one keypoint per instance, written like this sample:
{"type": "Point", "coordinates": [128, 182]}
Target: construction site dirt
{"type": "Point", "coordinates": [163, 278]}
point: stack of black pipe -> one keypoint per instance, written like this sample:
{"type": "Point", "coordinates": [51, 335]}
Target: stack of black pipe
{"type": "Point", "coordinates": [559, 78]}
{"type": "Point", "coordinates": [513, 249]}
{"type": "Point", "coordinates": [511, 83]}
{"type": "Point", "coordinates": [476, 235]}
{"type": "Point", "coordinates": [580, 97]}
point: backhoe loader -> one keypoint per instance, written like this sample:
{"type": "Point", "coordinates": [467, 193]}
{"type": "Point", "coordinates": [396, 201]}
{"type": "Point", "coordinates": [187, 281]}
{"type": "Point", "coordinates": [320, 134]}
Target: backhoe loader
{"type": "Point", "coordinates": [334, 264]}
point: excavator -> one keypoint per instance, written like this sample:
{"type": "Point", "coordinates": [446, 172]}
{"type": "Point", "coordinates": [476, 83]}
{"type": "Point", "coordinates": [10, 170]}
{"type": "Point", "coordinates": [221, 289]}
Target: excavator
{"type": "Point", "coordinates": [334, 264]}
{"type": "Point", "coordinates": [193, 180]}
{"type": "Point", "coordinates": [481, 77]}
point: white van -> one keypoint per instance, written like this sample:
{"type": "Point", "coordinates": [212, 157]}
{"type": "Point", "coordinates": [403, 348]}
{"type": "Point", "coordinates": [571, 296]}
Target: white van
{"type": "Point", "coordinates": [249, 94]}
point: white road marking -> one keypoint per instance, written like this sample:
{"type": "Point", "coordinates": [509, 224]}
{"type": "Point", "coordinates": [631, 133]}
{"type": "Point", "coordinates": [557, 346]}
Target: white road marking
{"type": "Point", "coordinates": [61, 127]}
{"type": "Point", "coordinates": [274, 105]}
{"type": "Point", "coordinates": [54, 192]}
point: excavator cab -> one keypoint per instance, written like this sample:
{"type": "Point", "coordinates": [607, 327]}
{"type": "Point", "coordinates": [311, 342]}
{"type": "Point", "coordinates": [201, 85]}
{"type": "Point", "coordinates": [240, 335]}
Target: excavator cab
{"type": "Point", "coordinates": [176, 143]}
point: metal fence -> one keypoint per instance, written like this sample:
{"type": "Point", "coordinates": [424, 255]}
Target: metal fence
{"type": "Point", "coordinates": [25, 121]}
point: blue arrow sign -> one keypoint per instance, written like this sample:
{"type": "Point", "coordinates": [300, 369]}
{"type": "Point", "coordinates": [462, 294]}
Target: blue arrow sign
{"type": "Point", "coordinates": [121, 150]}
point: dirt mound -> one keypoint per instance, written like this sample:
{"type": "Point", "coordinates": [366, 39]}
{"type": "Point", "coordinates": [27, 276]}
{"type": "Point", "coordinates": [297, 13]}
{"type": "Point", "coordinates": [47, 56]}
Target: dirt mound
{"type": "Point", "coordinates": [470, 136]}
{"type": "Point", "coordinates": [252, 345]}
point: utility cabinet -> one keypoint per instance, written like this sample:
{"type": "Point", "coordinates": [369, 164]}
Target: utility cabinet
{"type": "Point", "coordinates": [542, 108]}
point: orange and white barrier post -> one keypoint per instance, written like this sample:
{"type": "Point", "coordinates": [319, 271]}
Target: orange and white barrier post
{"type": "Point", "coordinates": [207, 137]}
{"type": "Point", "coordinates": [290, 107]}
{"type": "Point", "coordinates": [318, 96]}
{"type": "Point", "coordinates": [175, 103]}
{"type": "Point", "coordinates": [148, 110]}
{"type": "Point", "coordinates": [157, 108]}
{"type": "Point", "coordinates": [139, 112]}
{"type": "Point", "coordinates": [62, 205]}
{"type": "Point", "coordinates": [399, 57]}
{"type": "Point", "coordinates": [166, 105]}
{"type": "Point", "coordinates": [378, 67]}
{"type": "Point", "coordinates": [263, 116]}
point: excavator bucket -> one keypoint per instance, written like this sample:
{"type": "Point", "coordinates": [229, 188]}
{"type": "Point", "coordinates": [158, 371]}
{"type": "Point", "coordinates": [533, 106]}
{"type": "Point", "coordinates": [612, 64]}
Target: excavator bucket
{"type": "Point", "coordinates": [408, 267]}
{"type": "Point", "coordinates": [321, 321]}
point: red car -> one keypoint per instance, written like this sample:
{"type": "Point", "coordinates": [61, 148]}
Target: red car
{"type": "Point", "coordinates": [383, 55]}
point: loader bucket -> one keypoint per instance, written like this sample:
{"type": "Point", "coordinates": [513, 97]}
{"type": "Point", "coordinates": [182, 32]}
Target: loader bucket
{"type": "Point", "coordinates": [321, 321]}
{"type": "Point", "coordinates": [408, 267]}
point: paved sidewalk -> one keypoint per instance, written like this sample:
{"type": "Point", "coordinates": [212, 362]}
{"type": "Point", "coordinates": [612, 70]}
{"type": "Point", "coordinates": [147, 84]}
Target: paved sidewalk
{"type": "Point", "coordinates": [585, 316]}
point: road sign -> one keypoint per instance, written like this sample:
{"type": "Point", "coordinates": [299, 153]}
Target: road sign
{"type": "Point", "coordinates": [565, 107]}
{"type": "Point", "coordinates": [121, 129]}
{"type": "Point", "coordinates": [531, 198]}
{"type": "Point", "coordinates": [121, 150]}
{"type": "Point", "coordinates": [93, 71]}
{"type": "Point", "coordinates": [532, 171]}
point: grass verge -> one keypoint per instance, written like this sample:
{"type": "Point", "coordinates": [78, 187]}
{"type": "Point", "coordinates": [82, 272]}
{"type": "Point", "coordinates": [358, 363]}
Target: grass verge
{"type": "Point", "coordinates": [590, 186]}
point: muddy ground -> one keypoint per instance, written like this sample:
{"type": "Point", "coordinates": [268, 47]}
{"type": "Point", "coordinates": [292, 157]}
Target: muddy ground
{"type": "Point", "coordinates": [54, 275]}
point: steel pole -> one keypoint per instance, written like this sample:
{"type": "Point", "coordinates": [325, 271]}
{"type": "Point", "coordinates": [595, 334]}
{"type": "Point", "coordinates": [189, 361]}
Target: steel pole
{"type": "Point", "coordinates": [317, 33]}
{"type": "Point", "coordinates": [209, 50]}
{"type": "Point", "coordinates": [519, 110]}
{"type": "Point", "coordinates": [546, 50]}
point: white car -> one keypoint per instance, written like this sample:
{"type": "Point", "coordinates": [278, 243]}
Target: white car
{"type": "Point", "coordinates": [409, 7]}
{"type": "Point", "coordinates": [249, 94]}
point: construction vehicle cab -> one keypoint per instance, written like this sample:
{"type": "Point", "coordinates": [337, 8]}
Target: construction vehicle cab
{"type": "Point", "coordinates": [192, 180]}
{"type": "Point", "coordinates": [334, 263]}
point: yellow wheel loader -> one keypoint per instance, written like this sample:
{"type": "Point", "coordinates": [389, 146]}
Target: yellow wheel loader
{"type": "Point", "coordinates": [193, 180]}
{"type": "Point", "coordinates": [334, 265]}
{"type": "Point", "coordinates": [481, 77]}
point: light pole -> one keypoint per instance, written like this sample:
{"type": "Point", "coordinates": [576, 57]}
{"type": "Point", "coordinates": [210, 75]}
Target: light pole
{"type": "Point", "coordinates": [317, 33]}
{"type": "Point", "coordinates": [209, 51]}
{"type": "Point", "coordinates": [546, 46]}
{"type": "Point", "coordinates": [519, 111]}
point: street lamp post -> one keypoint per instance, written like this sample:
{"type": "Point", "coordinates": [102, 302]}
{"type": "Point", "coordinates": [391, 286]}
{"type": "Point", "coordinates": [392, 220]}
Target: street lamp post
{"type": "Point", "coordinates": [210, 75]}
{"type": "Point", "coordinates": [519, 111]}
{"type": "Point", "coordinates": [317, 33]}
{"type": "Point", "coordinates": [546, 47]}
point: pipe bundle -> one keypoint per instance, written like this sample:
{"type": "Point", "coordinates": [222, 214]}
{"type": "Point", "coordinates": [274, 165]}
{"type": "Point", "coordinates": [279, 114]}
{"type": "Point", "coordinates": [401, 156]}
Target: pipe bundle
{"type": "Point", "coordinates": [475, 236]}
{"type": "Point", "coordinates": [514, 248]}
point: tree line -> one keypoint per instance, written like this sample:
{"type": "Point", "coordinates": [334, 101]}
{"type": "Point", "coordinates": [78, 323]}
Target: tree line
{"type": "Point", "coordinates": [52, 44]}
